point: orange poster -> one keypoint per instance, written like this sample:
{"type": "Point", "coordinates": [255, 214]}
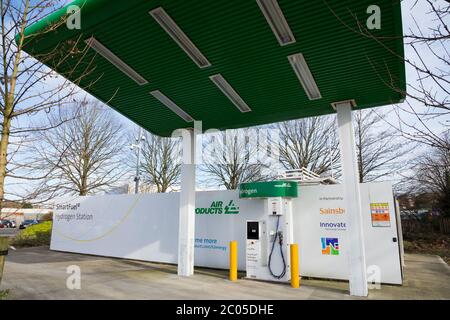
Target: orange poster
{"type": "Point", "coordinates": [380, 215]}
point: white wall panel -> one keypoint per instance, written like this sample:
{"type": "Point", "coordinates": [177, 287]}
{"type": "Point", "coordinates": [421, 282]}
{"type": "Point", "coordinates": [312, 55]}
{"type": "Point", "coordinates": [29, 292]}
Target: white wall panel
{"type": "Point", "coordinates": [145, 227]}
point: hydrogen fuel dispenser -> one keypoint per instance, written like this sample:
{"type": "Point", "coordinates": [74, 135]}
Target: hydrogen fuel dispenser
{"type": "Point", "coordinates": [268, 239]}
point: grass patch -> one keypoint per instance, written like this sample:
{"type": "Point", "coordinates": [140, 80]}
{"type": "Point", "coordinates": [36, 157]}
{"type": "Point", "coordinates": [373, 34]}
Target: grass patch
{"type": "Point", "coordinates": [428, 243]}
{"type": "Point", "coordinates": [4, 294]}
{"type": "Point", "coordinates": [34, 236]}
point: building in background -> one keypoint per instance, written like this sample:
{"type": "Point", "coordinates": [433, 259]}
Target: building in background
{"type": "Point", "coordinates": [19, 215]}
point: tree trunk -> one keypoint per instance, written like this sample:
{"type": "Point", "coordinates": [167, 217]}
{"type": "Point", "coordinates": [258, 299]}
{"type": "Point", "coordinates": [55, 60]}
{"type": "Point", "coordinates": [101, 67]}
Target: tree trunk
{"type": "Point", "coordinates": [360, 165]}
{"type": "Point", "coordinates": [3, 247]}
{"type": "Point", "coordinates": [83, 189]}
{"type": "Point", "coordinates": [9, 97]}
{"type": "Point", "coordinates": [4, 142]}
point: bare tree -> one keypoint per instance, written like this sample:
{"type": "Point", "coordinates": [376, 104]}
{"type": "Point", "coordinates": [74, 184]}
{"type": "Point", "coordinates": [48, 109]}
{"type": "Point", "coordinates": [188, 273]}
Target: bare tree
{"type": "Point", "coordinates": [28, 88]}
{"type": "Point", "coordinates": [161, 163]}
{"type": "Point", "coordinates": [313, 144]}
{"type": "Point", "coordinates": [309, 143]}
{"type": "Point", "coordinates": [424, 115]}
{"type": "Point", "coordinates": [380, 150]}
{"type": "Point", "coordinates": [84, 155]}
{"type": "Point", "coordinates": [232, 159]}
{"type": "Point", "coordinates": [431, 174]}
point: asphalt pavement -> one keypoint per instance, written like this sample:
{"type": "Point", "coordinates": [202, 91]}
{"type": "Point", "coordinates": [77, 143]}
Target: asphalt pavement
{"type": "Point", "coordinates": [38, 273]}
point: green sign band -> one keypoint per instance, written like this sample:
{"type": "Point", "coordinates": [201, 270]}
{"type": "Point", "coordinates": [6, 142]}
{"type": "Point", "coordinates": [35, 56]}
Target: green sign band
{"type": "Point", "coordinates": [270, 189]}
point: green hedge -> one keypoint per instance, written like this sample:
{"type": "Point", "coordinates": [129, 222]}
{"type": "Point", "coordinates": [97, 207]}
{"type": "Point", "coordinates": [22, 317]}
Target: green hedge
{"type": "Point", "coordinates": [34, 236]}
{"type": "Point", "coordinates": [4, 294]}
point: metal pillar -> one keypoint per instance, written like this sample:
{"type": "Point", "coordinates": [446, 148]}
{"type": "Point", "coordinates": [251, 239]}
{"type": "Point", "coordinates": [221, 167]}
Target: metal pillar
{"type": "Point", "coordinates": [352, 198]}
{"type": "Point", "coordinates": [186, 233]}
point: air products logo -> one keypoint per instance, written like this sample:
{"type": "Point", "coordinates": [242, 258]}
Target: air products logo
{"type": "Point", "coordinates": [217, 207]}
{"type": "Point", "coordinates": [330, 246]}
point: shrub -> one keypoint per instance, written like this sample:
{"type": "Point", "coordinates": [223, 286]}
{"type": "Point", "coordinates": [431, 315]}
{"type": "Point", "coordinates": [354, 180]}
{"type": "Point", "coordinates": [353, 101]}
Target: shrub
{"type": "Point", "coordinates": [4, 294]}
{"type": "Point", "coordinates": [34, 236]}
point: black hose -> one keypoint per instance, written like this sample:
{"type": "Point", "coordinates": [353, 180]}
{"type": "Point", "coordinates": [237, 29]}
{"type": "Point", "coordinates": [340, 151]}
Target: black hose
{"type": "Point", "coordinates": [278, 235]}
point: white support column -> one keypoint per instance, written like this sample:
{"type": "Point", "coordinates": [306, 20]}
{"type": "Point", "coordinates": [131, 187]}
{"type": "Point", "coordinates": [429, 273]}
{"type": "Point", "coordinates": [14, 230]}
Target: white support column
{"type": "Point", "coordinates": [186, 233]}
{"type": "Point", "coordinates": [352, 198]}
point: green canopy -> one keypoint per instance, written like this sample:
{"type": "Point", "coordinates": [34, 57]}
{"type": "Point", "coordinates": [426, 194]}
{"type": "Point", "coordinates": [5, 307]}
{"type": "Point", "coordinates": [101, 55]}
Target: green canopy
{"type": "Point", "coordinates": [236, 42]}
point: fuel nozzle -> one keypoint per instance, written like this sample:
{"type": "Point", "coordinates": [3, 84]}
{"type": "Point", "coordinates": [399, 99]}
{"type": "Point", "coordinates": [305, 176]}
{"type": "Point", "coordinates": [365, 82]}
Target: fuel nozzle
{"type": "Point", "coordinates": [278, 234]}
{"type": "Point", "coordinates": [280, 237]}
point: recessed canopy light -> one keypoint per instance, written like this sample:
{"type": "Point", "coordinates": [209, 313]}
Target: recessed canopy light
{"type": "Point", "coordinates": [171, 105]}
{"type": "Point", "coordinates": [231, 94]}
{"type": "Point", "coordinates": [304, 75]}
{"type": "Point", "coordinates": [170, 26]}
{"type": "Point", "coordinates": [115, 60]}
{"type": "Point", "coordinates": [277, 21]}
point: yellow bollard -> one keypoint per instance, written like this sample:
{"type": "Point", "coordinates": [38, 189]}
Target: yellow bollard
{"type": "Point", "coordinates": [295, 276]}
{"type": "Point", "coordinates": [233, 260]}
